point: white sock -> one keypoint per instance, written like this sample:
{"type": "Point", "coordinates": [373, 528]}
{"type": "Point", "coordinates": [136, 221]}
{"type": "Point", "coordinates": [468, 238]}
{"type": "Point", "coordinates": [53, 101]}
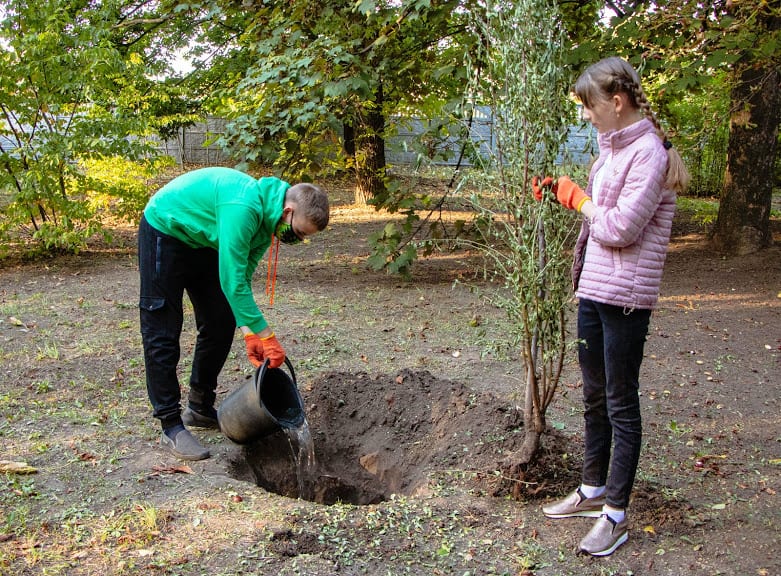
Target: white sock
{"type": "Point", "coordinates": [592, 491]}
{"type": "Point", "coordinates": [616, 514]}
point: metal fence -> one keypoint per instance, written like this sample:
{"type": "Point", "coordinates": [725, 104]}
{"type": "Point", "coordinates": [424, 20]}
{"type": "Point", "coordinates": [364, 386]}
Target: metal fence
{"type": "Point", "coordinates": [196, 145]}
{"type": "Point", "coordinates": [405, 146]}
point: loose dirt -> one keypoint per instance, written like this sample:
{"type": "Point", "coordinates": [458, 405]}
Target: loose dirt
{"type": "Point", "coordinates": [375, 436]}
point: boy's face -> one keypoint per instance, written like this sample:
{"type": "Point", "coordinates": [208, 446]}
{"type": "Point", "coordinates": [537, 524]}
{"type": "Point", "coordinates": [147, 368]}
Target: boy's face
{"type": "Point", "coordinates": [298, 227]}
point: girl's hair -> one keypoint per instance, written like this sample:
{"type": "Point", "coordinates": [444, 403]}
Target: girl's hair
{"type": "Point", "coordinates": [312, 201]}
{"type": "Point", "coordinates": [613, 76]}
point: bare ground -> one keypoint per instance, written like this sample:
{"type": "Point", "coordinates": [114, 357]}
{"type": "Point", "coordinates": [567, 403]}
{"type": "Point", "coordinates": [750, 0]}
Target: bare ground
{"type": "Point", "coordinates": [410, 395]}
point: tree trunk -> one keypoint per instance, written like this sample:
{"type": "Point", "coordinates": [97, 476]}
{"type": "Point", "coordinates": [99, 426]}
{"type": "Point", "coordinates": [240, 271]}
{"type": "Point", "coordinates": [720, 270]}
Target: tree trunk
{"type": "Point", "coordinates": [533, 419]}
{"type": "Point", "coordinates": [370, 151]}
{"type": "Point", "coordinates": [743, 223]}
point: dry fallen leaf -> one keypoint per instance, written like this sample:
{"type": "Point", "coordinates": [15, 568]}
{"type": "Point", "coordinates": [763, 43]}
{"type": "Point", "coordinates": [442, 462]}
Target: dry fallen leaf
{"type": "Point", "coordinates": [181, 469]}
{"type": "Point", "coordinates": [10, 467]}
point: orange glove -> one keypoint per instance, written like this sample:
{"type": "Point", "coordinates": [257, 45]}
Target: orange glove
{"type": "Point", "coordinates": [538, 187]}
{"type": "Point", "coordinates": [569, 194]}
{"type": "Point", "coordinates": [254, 349]}
{"type": "Point", "coordinates": [273, 351]}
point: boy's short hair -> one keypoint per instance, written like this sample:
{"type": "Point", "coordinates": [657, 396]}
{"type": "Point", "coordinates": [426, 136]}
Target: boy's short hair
{"type": "Point", "coordinates": [312, 201]}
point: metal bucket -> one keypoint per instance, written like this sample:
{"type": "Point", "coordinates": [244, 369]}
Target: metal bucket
{"type": "Point", "coordinates": [263, 405]}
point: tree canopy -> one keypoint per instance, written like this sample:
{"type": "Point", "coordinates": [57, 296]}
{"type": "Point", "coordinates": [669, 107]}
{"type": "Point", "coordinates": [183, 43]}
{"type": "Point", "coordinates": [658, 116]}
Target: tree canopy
{"type": "Point", "coordinates": [66, 94]}
{"type": "Point", "coordinates": [684, 45]}
{"type": "Point", "coordinates": [311, 85]}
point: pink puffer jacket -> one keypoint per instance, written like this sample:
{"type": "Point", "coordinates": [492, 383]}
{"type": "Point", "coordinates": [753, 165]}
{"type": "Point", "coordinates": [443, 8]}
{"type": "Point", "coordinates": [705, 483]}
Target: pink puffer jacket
{"type": "Point", "coordinates": [620, 252]}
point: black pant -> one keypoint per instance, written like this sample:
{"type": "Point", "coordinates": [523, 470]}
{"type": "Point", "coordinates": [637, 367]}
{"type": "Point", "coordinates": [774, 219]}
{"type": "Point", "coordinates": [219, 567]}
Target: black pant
{"type": "Point", "coordinates": [168, 268]}
{"type": "Point", "coordinates": [610, 354]}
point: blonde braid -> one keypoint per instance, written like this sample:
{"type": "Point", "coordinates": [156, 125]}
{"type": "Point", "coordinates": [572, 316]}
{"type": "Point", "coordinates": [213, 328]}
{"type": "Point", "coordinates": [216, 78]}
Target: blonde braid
{"type": "Point", "coordinates": [677, 175]}
{"type": "Point", "coordinates": [642, 103]}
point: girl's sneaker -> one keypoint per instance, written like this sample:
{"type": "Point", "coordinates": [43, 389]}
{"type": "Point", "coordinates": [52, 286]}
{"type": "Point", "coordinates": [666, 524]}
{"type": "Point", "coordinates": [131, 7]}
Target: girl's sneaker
{"type": "Point", "coordinates": [576, 504]}
{"type": "Point", "coordinates": [605, 536]}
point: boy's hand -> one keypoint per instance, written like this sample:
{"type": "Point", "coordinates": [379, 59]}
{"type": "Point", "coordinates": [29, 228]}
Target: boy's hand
{"type": "Point", "coordinates": [569, 194]}
{"type": "Point", "coordinates": [254, 349]}
{"type": "Point", "coordinates": [273, 351]}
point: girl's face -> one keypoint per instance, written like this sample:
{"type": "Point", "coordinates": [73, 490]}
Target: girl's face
{"type": "Point", "coordinates": [610, 114]}
{"type": "Point", "coordinates": [602, 115]}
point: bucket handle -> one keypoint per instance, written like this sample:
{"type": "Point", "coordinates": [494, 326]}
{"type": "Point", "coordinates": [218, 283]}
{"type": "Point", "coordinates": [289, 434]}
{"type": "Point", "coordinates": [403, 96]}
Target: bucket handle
{"type": "Point", "coordinates": [264, 367]}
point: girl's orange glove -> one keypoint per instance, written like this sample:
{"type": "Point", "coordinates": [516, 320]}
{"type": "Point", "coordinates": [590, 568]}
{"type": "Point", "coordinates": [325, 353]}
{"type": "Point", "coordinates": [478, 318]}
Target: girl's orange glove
{"type": "Point", "coordinates": [569, 194]}
{"type": "Point", "coordinates": [538, 187]}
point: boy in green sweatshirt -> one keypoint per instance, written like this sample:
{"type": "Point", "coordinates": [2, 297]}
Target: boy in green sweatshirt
{"type": "Point", "coordinates": [204, 233]}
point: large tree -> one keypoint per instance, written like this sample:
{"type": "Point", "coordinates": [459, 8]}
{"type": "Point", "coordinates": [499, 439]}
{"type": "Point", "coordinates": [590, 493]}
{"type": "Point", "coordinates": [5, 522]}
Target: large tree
{"type": "Point", "coordinates": [66, 95]}
{"type": "Point", "coordinates": [743, 223]}
{"type": "Point", "coordinates": [310, 85]}
{"type": "Point", "coordinates": [684, 44]}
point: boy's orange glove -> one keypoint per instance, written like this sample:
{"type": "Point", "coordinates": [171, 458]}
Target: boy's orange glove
{"type": "Point", "coordinates": [254, 349]}
{"type": "Point", "coordinates": [538, 187]}
{"type": "Point", "coordinates": [569, 194]}
{"type": "Point", "coordinates": [273, 351]}
{"type": "Point", "coordinates": [262, 349]}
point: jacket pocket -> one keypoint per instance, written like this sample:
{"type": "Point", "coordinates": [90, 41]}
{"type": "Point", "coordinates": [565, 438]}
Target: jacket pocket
{"type": "Point", "coordinates": [618, 266]}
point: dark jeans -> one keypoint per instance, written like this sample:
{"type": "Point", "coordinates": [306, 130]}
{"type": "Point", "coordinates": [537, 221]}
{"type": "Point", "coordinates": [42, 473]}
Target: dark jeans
{"type": "Point", "coordinates": [610, 354]}
{"type": "Point", "coordinates": [168, 268]}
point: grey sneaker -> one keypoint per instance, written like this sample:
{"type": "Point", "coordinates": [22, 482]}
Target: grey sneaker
{"type": "Point", "coordinates": [195, 419]}
{"type": "Point", "coordinates": [605, 536]}
{"type": "Point", "coordinates": [576, 504]}
{"type": "Point", "coordinates": [184, 445]}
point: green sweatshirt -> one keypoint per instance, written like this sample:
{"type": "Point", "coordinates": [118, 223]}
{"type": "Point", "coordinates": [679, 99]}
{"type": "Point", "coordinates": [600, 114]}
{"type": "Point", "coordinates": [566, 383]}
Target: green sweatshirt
{"type": "Point", "coordinates": [229, 211]}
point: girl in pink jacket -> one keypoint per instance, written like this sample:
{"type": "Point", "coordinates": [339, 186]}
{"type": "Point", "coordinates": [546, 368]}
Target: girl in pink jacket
{"type": "Point", "coordinates": [628, 208]}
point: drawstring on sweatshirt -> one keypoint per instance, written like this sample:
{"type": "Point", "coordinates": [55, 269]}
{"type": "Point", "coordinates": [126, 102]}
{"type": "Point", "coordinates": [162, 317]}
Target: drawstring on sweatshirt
{"type": "Point", "coordinates": [271, 275]}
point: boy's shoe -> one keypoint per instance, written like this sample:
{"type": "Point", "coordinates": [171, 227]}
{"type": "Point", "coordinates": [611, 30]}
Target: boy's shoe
{"type": "Point", "coordinates": [184, 445]}
{"type": "Point", "coordinates": [195, 419]}
{"type": "Point", "coordinates": [605, 536]}
{"type": "Point", "coordinates": [576, 504]}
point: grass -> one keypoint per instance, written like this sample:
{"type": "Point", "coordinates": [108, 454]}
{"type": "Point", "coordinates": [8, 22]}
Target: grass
{"type": "Point", "coordinates": [702, 211]}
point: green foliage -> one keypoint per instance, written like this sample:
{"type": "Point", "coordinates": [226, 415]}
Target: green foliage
{"type": "Point", "coordinates": [119, 186]}
{"type": "Point", "coordinates": [697, 122]}
{"type": "Point", "coordinates": [66, 94]}
{"type": "Point", "coordinates": [170, 110]}
{"type": "Point", "coordinates": [310, 69]}
{"type": "Point", "coordinates": [526, 241]}
{"type": "Point", "coordinates": [391, 238]}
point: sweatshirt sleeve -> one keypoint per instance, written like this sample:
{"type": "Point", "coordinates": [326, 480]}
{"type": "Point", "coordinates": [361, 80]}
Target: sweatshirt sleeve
{"type": "Point", "coordinates": [237, 225]}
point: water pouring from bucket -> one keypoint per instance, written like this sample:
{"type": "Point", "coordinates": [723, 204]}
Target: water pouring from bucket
{"type": "Point", "coordinates": [270, 401]}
